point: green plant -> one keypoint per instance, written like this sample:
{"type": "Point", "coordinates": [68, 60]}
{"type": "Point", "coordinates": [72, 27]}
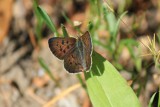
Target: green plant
{"type": "Point", "coordinates": [153, 98]}
{"type": "Point", "coordinates": [40, 21]}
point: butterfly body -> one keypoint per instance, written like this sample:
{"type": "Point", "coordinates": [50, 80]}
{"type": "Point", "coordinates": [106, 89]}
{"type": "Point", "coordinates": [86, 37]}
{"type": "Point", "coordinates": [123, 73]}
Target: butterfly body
{"type": "Point", "coordinates": [76, 53]}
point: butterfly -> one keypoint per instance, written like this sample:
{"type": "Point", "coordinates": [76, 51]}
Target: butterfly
{"type": "Point", "coordinates": [76, 53]}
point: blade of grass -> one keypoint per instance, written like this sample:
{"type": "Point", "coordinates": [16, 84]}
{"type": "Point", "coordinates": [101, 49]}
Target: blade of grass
{"type": "Point", "coordinates": [108, 6]}
{"type": "Point", "coordinates": [81, 81]}
{"type": "Point", "coordinates": [159, 97]}
{"type": "Point", "coordinates": [46, 68]}
{"type": "Point", "coordinates": [48, 21]}
{"type": "Point", "coordinates": [98, 2]}
{"type": "Point", "coordinates": [101, 44]}
{"type": "Point", "coordinates": [110, 19]}
{"type": "Point", "coordinates": [117, 24]}
{"type": "Point", "coordinates": [151, 100]}
{"type": "Point", "coordinates": [39, 21]}
{"type": "Point", "coordinates": [129, 43]}
{"type": "Point", "coordinates": [69, 21]}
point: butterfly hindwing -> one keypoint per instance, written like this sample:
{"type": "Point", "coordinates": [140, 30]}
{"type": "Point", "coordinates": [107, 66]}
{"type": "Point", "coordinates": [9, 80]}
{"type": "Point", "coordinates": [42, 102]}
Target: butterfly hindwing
{"type": "Point", "coordinates": [73, 62]}
{"type": "Point", "coordinates": [61, 46]}
{"type": "Point", "coordinates": [88, 61]}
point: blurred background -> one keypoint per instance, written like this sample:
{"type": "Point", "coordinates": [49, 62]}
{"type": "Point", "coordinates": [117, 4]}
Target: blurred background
{"type": "Point", "coordinates": [25, 56]}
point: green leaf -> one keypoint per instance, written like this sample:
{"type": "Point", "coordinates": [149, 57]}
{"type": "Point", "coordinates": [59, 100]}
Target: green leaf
{"type": "Point", "coordinates": [67, 19]}
{"type": "Point", "coordinates": [40, 21]}
{"type": "Point", "coordinates": [129, 43]}
{"type": "Point", "coordinates": [98, 5]}
{"type": "Point", "coordinates": [90, 26]}
{"type": "Point", "coordinates": [81, 81]}
{"type": "Point", "coordinates": [111, 20]}
{"type": "Point", "coordinates": [70, 22]}
{"type": "Point", "coordinates": [159, 98]}
{"type": "Point", "coordinates": [35, 5]}
{"type": "Point", "coordinates": [65, 34]}
{"type": "Point", "coordinates": [117, 24]}
{"type": "Point", "coordinates": [152, 99]}
{"type": "Point", "coordinates": [47, 20]}
{"type": "Point", "coordinates": [45, 67]}
{"type": "Point", "coordinates": [106, 87]}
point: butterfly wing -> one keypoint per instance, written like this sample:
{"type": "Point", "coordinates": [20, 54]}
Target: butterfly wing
{"type": "Point", "coordinates": [88, 61]}
{"type": "Point", "coordinates": [86, 39]}
{"type": "Point", "coordinates": [79, 59]}
{"type": "Point", "coordinates": [61, 46]}
{"type": "Point", "coordinates": [73, 62]}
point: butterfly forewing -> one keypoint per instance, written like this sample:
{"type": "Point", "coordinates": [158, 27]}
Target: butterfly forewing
{"type": "Point", "coordinates": [86, 39]}
{"type": "Point", "coordinates": [61, 46]}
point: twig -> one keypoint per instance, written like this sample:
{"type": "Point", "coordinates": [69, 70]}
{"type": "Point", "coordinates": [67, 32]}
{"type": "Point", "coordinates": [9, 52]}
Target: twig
{"type": "Point", "coordinates": [61, 95]}
{"type": "Point", "coordinates": [38, 99]}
